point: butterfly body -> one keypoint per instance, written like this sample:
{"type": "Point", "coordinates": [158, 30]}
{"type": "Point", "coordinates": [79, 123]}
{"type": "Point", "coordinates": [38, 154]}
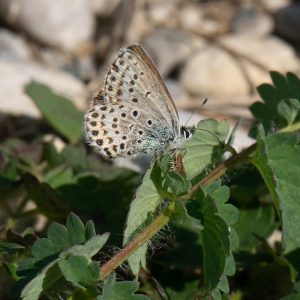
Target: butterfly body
{"type": "Point", "coordinates": [134, 113]}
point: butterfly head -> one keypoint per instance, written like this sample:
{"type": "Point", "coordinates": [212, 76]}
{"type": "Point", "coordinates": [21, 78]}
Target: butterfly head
{"type": "Point", "coordinates": [187, 132]}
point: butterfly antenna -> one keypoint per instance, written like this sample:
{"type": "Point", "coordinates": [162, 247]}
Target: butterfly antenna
{"type": "Point", "coordinates": [195, 111]}
{"type": "Point", "coordinates": [224, 145]}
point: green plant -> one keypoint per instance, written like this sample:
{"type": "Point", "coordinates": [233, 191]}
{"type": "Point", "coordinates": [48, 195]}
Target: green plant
{"type": "Point", "coordinates": [209, 224]}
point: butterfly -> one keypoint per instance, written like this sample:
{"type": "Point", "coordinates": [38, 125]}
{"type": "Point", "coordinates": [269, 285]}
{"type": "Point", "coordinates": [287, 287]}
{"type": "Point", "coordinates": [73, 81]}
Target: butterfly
{"type": "Point", "coordinates": [134, 113]}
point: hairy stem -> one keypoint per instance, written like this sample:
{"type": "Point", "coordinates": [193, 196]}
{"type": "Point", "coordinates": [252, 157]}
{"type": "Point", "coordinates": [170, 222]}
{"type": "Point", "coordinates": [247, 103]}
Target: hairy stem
{"type": "Point", "coordinates": [163, 218]}
{"type": "Point", "coordinates": [135, 244]}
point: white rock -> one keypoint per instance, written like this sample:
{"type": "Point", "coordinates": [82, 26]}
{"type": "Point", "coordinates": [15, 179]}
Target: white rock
{"type": "Point", "coordinates": [273, 5]}
{"type": "Point", "coordinates": [252, 23]}
{"type": "Point", "coordinates": [270, 53]}
{"type": "Point", "coordinates": [15, 75]}
{"type": "Point", "coordinates": [190, 17]}
{"type": "Point", "coordinates": [64, 24]}
{"type": "Point", "coordinates": [168, 48]}
{"type": "Point", "coordinates": [213, 71]}
{"type": "Point", "coordinates": [13, 46]}
{"type": "Point", "coordinates": [104, 8]}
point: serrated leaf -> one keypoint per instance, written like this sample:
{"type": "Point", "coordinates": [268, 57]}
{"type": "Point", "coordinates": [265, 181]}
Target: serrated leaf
{"type": "Point", "coordinates": [183, 219]}
{"type": "Point", "coordinates": [89, 249]}
{"type": "Point", "coordinates": [220, 194]}
{"type": "Point", "coordinates": [277, 159]}
{"type": "Point", "coordinates": [80, 271]}
{"type": "Point", "coordinates": [289, 109]}
{"type": "Point", "coordinates": [43, 271]}
{"type": "Point", "coordinates": [204, 148]}
{"type": "Point", "coordinates": [113, 290]}
{"type": "Point", "coordinates": [59, 112]}
{"type": "Point", "coordinates": [141, 211]}
{"type": "Point", "coordinates": [89, 229]}
{"type": "Point", "coordinates": [167, 180]}
{"type": "Point", "coordinates": [75, 229]}
{"type": "Point", "coordinates": [215, 238]}
{"type": "Point", "coordinates": [281, 102]}
{"type": "Point", "coordinates": [58, 234]}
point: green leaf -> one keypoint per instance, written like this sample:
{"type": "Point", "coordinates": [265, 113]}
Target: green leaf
{"type": "Point", "coordinates": [215, 238]}
{"type": "Point", "coordinates": [43, 273]}
{"type": "Point", "coordinates": [253, 222]}
{"type": "Point", "coordinates": [204, 148]}
{"type": "Point", "coordinates": [7, 247]}
{"type": "Point", "coordinates": [167, 180]}
{"type": "Point", "coordinates": [281, 102]}
{"type": "Point", "coordinates": [113, 290]}
{"type": "Point", "coordinates": [76, 229]}
{"type": "Point", "coordinates": [59, 176]}
{"type": "Point", "coordinates": [58, 111]}
{"type": "Point", "coordinates": [141, 212]}
{"type": "Point", "coordinates": [278, 159]}
{"type": "Point", "coordinates": [289, 109]}
{"type": "Point", "coordinates": [80, 271]}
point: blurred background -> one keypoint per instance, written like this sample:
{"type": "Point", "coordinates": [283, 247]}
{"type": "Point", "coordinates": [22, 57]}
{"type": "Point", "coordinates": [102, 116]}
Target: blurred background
{"type": "Point", "coordinates": [220, 50]}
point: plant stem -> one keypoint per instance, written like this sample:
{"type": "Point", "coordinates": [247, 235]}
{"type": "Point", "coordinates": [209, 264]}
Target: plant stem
{"type": "Point", "coordinates": [163, 218]}
{"type": "Point", "coordinates": [220, 170]}
{"type": "Point", "coordinates": [135, 244]}
{"type": "Point", "coordinates": [291, 128]}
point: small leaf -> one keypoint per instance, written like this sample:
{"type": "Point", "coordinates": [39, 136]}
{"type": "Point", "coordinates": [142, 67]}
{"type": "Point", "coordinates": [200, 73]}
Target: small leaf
{"type": "Point", "coordinates": [113, 290]}
{"type": "Point", "coordinates": [289, 109]}
{"type": "Point", "coordinates": [80, 271]}
{"type": "Point", "coordinates": [76, 229]}
{"type": "Point", "coordinates": [281, 102]}
{"type": "Point", "coordinates": [42, 273]}
{"type": "Point", "coordinates": [204, 148]}
{"type": "Point", "coordinates": [59, 112]}
{"type": "Point", "coordinates": [167, 180]}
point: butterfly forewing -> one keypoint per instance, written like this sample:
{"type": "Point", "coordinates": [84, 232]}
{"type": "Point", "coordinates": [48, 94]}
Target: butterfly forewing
{"type": "Point", "coordinates": [134, 113]}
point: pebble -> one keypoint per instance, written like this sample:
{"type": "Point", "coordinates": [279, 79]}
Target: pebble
{"type": "Point", "coordinates": [213, 72]}
{"type": "Point", "coordinates": [270, 53]}
{"type": "Point", "coordinates": [14, 75]}
{"type": "Point", "coordinates": [250, 22]}
{"type": "Point", "coordinates": [63, 24]}
{"type": "Point", "coordinates": [168, 48]}
{"type": "Point", "coordinates": [13, 46]}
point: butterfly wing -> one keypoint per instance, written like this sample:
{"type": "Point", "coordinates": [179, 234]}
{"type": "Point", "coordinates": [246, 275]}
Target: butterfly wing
{"type": "Point", "coordinates": [134, 113]}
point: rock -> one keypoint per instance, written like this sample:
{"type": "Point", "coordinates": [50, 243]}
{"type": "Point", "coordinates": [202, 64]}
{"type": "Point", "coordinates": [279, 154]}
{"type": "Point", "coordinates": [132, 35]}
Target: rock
{"type": "Point", "coordinates": [62, 24]}
{"type": "Point", "coordinates": [14, 75]}
{"type": "Point", "coordinates": [287, 22]}
{"type": "Point", "coordinates": [190, 17]}
{"type": "Point", "coordinates": [104, 8]}
{"type": "Point", "coordinates": [13, 46]}
{"type": "Point", "coordinates": [250, 22]}
{"type": "Point", "coordinates": [270, 53]}
{"type": "Point", "coordinates": [213, 72]}
{"type": "Point", "coordinates": [168, 48]}
{"type": "Point", "coordinates": [274, 5]}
